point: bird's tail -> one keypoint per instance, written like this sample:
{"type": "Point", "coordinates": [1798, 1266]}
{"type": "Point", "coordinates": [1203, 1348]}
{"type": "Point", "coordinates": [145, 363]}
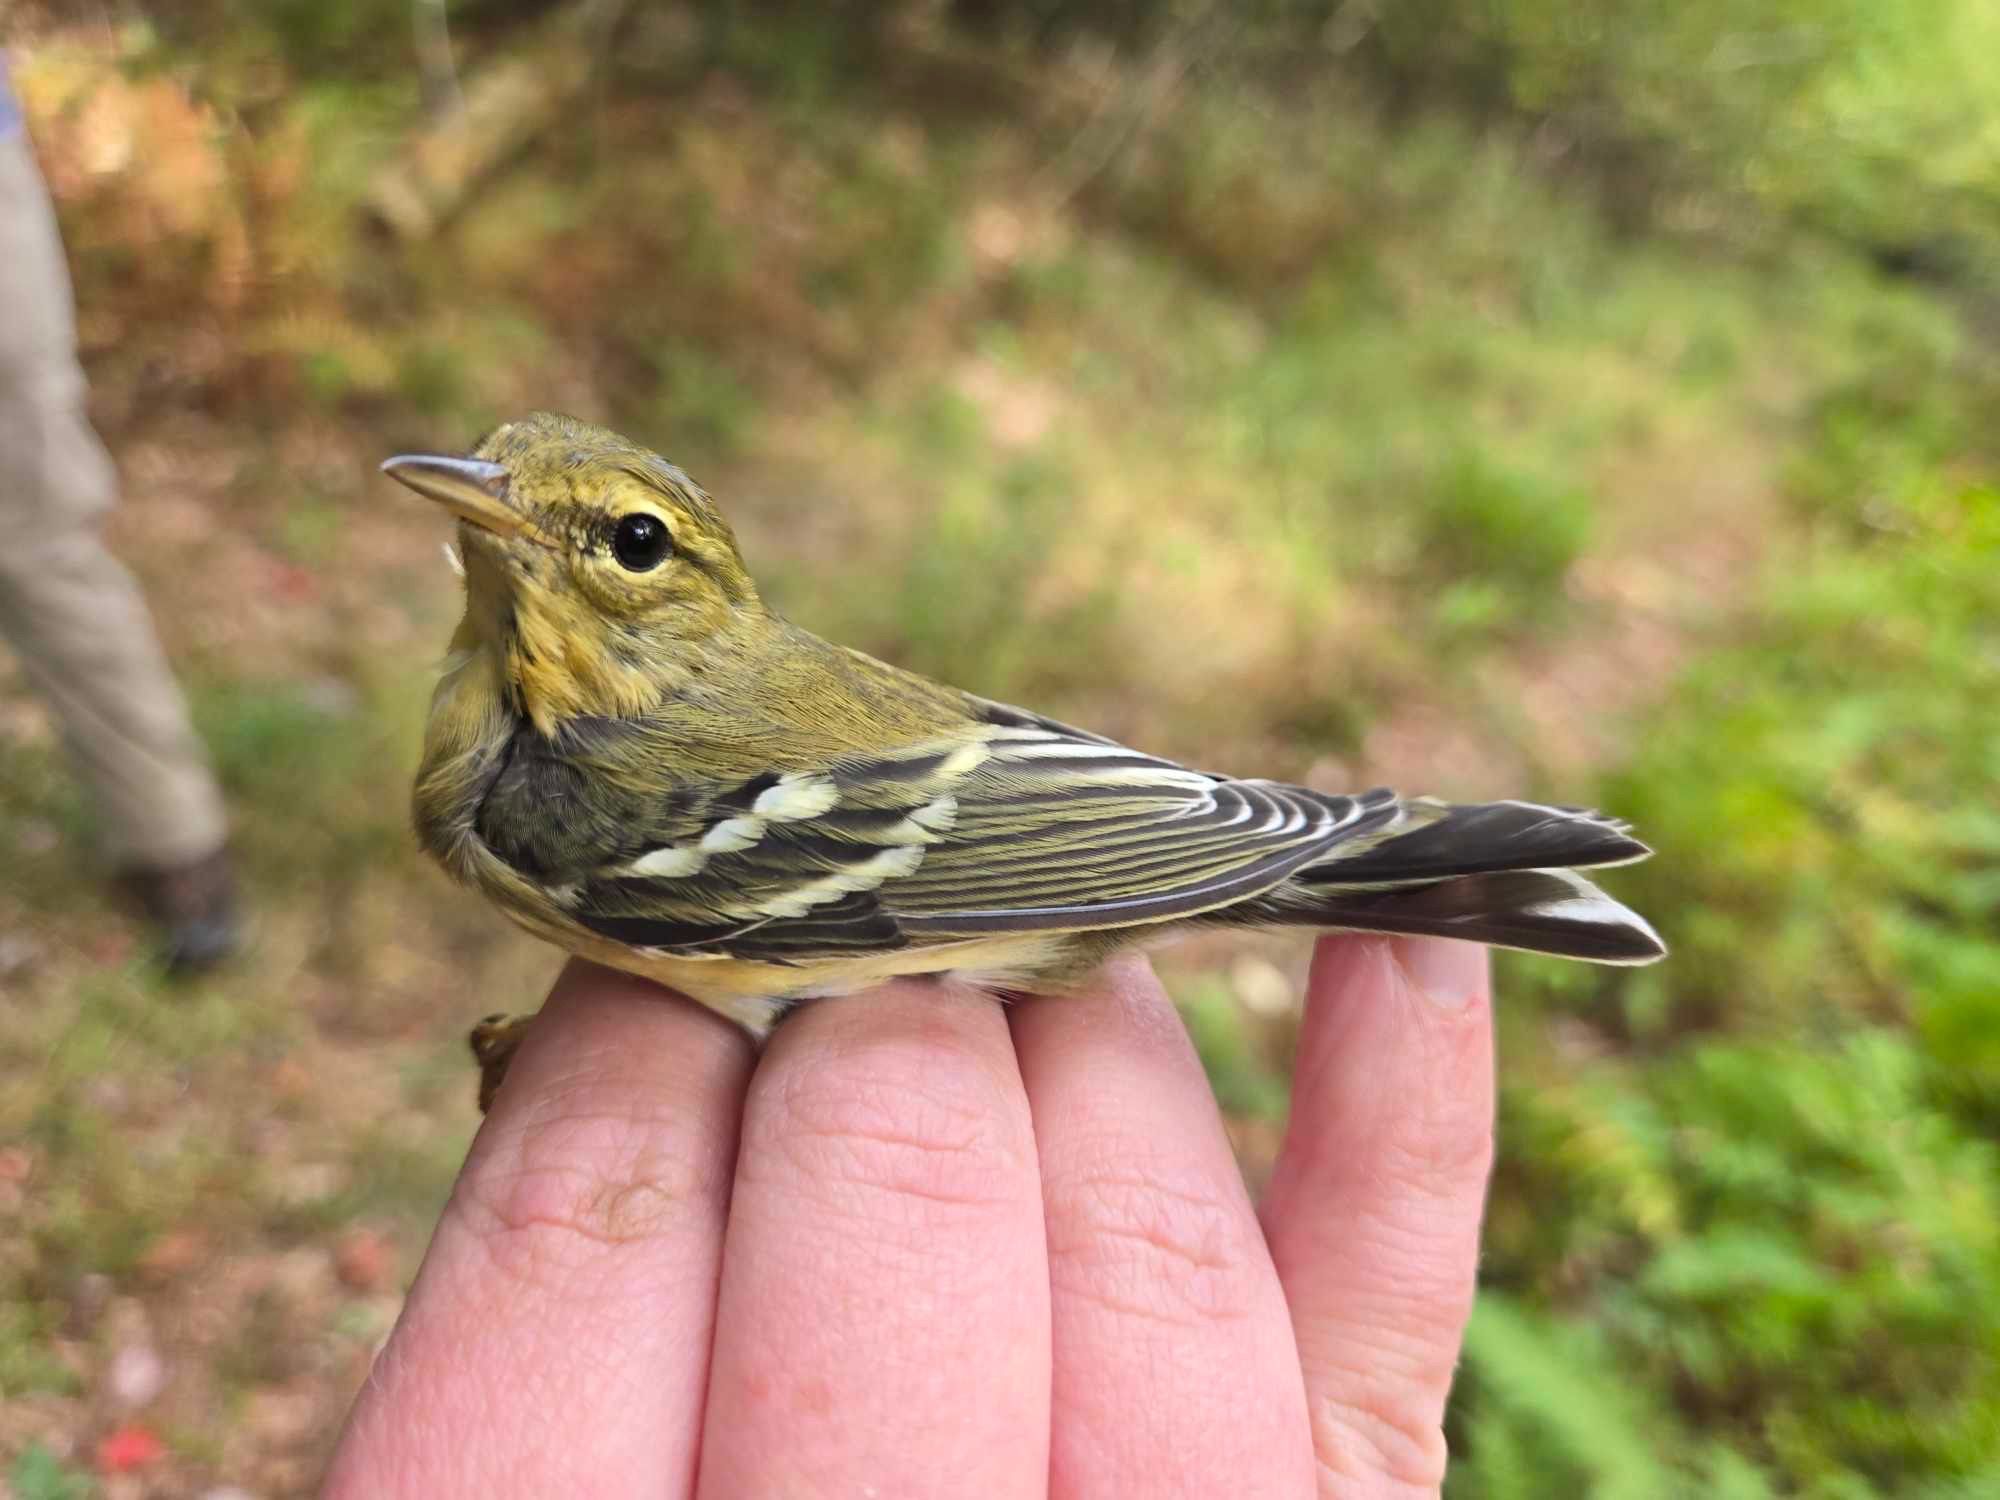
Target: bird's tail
{"type": "Point", "coordinates": [1493, 872]}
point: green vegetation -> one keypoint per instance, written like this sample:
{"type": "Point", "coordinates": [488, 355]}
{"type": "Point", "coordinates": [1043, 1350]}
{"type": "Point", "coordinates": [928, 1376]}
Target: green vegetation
{"type": "Point", "coordinates": [38, 1474]}
{"type": "Point", "coordinates": [1872, 122]}
{"type": "Point", "coordinates": [1463, 395]}
{"type": "Point", "coordinates": [1781, 1202]}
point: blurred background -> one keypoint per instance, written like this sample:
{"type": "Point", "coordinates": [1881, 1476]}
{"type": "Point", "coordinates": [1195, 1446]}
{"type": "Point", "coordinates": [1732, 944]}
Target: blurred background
{"type": "Point", "coordinates": [1593, 401]}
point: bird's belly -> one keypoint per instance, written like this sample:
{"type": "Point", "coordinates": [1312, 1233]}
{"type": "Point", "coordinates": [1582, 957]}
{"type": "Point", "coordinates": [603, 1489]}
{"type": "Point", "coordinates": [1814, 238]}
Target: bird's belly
{"type": "Point", "coordinates": [755, 995]}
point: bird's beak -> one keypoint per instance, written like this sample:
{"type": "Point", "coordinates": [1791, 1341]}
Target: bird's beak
{"type": "Point", "coordinates": [470, 488]}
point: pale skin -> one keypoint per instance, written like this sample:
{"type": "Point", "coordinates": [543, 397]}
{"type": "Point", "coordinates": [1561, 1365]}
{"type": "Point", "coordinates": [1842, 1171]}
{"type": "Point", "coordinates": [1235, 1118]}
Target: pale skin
{"type": "Point", "coordinates": [930, 1244]}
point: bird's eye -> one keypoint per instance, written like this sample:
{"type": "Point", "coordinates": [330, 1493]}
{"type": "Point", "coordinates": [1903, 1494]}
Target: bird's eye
{"type": "Point", "coordinates": [641, 542]}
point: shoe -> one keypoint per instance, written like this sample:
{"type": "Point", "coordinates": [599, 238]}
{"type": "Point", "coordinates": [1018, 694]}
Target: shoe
{"type": "Point", "coordinates": [194, 908]}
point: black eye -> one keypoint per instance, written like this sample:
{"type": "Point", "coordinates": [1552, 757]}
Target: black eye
{"type": "Point", "coordinates": [641, 542]}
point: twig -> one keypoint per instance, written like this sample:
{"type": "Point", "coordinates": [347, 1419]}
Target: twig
{"type": "Point", "coordinates": [501, 108]}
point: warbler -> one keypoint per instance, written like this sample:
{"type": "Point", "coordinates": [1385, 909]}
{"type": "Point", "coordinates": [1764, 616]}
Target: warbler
{"type": "Point", "coordinates": [642, 762]}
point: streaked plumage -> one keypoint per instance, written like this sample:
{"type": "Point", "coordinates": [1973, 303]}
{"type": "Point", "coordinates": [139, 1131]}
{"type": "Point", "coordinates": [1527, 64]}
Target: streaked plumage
{"type": "Point", "coordinates": [643, 764]}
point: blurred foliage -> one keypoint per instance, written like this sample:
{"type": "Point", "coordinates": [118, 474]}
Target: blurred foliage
{"type": "Point", "coordinates": [1508, 539]}
{"type": "Point", "coordinates": [1299, 373]}
{"type": "Point", "coordinates": [39, 1475]}
{"type": "Point", "coordinates": [1873, 122]}
{"type": "Point", "coordinates": [1243, 1079]}
{"type": "Point", "coordinates": [1779, 1211]}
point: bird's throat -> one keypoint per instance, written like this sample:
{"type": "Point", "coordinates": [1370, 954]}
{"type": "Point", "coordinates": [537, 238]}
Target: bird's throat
{"type": "Point", "coordinates": [558, 662]}
{"type": "Point", "coordinates": [548, 655]}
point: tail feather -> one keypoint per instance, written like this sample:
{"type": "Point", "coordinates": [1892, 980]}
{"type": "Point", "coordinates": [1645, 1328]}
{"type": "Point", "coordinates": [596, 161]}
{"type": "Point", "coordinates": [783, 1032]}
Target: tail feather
{"type": "Point", "coordinates": [1537, 911]}
{"type": "Point", "coordinates": [1495, 872]}
{"type": "Point", "coordinates": [1477, 837]}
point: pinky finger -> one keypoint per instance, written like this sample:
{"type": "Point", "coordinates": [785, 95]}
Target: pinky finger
{"type": "Point", "coordinates": [1373, 1211]}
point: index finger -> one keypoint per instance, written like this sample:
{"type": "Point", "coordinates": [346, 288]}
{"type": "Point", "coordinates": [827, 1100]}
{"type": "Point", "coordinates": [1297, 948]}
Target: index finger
{"type": "Point", "coordinates": [556, 1339]}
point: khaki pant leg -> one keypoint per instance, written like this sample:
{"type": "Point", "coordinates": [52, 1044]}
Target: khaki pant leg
{"type": "Point", "coordinates": [87, 643]}
{"type": "Point", "coordinates": [66, 605]}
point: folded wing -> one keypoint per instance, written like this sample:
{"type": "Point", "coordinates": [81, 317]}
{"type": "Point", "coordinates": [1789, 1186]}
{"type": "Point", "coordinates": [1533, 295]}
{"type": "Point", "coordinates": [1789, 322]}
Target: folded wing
{"type": "Point", "coordinates": [1021, 825]}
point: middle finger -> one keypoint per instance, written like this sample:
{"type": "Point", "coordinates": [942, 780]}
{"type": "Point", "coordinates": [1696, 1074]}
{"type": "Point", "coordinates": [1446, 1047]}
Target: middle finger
{"type": "Point", "coordinates": [1175, 1368]}
{"type": "Point", "coordinates": [884, 1316]}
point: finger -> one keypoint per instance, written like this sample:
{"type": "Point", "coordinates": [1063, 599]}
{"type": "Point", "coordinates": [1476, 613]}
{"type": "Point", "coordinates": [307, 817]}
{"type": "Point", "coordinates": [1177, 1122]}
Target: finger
{"type": "Point", "coordinates": [884, 1322]}
{"type": "Point", "coordinates": [1373, 1209]}
{"type": "Point", "coordinates": [557, 1337]}
{"type": "Point", "coordinates": [1175, 1372]}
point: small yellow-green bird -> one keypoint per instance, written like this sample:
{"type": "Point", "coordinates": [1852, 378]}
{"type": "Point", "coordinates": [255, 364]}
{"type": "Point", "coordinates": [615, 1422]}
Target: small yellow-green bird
{"type": "Point", "coordinates": [644, 764]}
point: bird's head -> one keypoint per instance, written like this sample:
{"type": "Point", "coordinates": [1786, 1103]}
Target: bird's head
{"type": "Point", "coordinates": [596, 573]}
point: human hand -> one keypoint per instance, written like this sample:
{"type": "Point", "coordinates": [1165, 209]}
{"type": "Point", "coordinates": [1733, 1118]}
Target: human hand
{"type": "Point", "coordinates": [970, 1248]}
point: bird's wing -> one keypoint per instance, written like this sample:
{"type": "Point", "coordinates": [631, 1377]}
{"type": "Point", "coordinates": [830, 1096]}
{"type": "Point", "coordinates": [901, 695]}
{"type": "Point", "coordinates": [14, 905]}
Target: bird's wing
{"type": "Point", "coordinates": [1017, 824]}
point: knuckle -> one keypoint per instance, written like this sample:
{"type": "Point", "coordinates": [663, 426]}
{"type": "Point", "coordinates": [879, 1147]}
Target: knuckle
{"type": "Point", "coordinates": [1382, 1439]}
{"type": "Point", "coordinates": [1154, 1240]}
{"type": "Point", "coordinates": [565, 1189]}
{"type": "Point", "coordinates": [896, 1119]}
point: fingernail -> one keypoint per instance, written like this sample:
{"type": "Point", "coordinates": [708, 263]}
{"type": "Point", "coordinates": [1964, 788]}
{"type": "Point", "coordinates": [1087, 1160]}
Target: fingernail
{"type": "Point", "coordinates": [1448, 973]}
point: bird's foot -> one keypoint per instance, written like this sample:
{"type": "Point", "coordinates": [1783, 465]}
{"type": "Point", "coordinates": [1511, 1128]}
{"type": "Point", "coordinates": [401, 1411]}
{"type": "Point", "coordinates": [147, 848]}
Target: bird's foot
{"type": "Point", "coordinates": [494, 1042]}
